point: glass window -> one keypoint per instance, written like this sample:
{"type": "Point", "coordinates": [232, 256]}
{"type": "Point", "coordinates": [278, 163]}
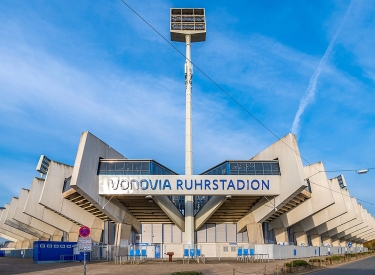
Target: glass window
{"type": "Point", "coordinates": [258, 168]}
{"type": "Point", "coordinates": [233, 168]}
{"type": "Point", "coordinates": [275, 168]}
{"type": "Point", "coordinates": [119, 168]}
{"type": "Point", "coordinates": [250, 168]}
{"type": "Point", "coordinates": [267, 168]}
{"type": "Point", "coordinates": [128, 168]}
{"type": "Point", "coordinates": [242, 168]}
{"type": "Point", "coordinates": [111, 168]}
{"type": "Point", "coordinates": [136, 166]}
{"type": "Point", "coordinates": [224, 169]}
{"type": "Point", "coordinates": [102, 168]}
{"type": "Point", "coordinates": [145, 168]}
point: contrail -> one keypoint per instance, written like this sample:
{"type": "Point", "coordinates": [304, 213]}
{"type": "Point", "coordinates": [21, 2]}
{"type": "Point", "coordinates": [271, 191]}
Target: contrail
{"type": "Point", "coordinates": [310, 91]}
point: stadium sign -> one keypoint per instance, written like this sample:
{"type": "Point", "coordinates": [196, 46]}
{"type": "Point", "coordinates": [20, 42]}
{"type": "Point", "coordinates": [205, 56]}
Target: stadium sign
{"type": "Point", "coordinates": [189, 185]}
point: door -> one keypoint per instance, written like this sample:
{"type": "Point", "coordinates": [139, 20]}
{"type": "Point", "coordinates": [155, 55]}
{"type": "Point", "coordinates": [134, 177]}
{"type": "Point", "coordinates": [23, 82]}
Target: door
{"type": "Point", "coordinates": [157, 251]}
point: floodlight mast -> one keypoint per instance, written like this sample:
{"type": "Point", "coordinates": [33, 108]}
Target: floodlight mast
{"type": "Point", "coordinates": [188, 25]}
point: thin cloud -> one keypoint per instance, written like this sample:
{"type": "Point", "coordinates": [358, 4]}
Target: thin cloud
{"type": "Point", "coordinates": [311, 89]}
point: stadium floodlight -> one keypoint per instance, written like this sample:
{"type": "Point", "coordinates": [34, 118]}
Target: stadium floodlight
{"type": "Point", "coordinates": [188, 25]}
{"type": "Point", "coordinates": [188, 21]}
{"type": "Point", "coordinates": [43, 164]}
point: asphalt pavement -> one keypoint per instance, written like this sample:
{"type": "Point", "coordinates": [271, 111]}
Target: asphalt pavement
{"type": "Point", "coordinates": [360, 267]}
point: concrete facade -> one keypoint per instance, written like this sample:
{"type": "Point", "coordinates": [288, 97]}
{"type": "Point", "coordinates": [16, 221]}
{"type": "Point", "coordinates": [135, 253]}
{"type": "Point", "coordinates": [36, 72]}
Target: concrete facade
{"type": "Point", "coordinates": [310, 209]}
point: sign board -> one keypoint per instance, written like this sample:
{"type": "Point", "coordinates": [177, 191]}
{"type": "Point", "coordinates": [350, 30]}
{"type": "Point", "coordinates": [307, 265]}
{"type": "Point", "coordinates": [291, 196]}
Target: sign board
{"type": "Point", "coordinates": [240, 185]}
{"type": "Point", "coordinates": [84, 231]}
{"type": "Point", "coordinates": [350, 244]}
{"type": "Point", "coordinates": [84, 244]}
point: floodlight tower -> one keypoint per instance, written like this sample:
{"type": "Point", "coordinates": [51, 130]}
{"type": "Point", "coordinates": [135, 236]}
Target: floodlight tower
{"type": "Point", "coordinates": [188, 25]}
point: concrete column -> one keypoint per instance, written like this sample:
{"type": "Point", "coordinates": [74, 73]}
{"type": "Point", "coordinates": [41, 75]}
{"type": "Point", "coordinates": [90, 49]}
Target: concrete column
{"type": "Point", "coordinates": [18, 245]}
{"type": "Point", "coordinates": [343, 243]}
{"type": "Point", "coordinates": [335, 242]}
{"type": "Point", "coordinates": [327, 240]}
{"type": "Point", "coordinates": [73, 236]}
{"type": "Point", "coordinates": [123, 232]}
{"type": "Point", "coordinates": [97, 229]}
{"type": "Point", "coordinates": [301, 238]}
{"type": "Point", "coordinates": [281, 235]}
{"type": "Point", "coordinates": [255, 233]}
{"type": "Point", "coordinates": [26, 244]}
{"type": "Point", "coordinates": [316, 240]}
{"type": "Point", "coordinates": [57, 235]}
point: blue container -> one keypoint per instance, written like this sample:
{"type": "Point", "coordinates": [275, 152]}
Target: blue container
{"type": "Point", "coordinates": [2, 253]}
{"type": "Point", "coordinates": [50, 252]}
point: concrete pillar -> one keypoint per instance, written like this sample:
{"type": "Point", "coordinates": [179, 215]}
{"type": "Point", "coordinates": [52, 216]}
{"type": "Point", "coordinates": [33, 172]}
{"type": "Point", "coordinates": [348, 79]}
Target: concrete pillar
{"type": "Point", "coordinates": [123, 232]}
{"type": "Point", "coordinates": [335, 242]}
{"type": "Point", "coordinates": [343, 243]}
{"type": "Point", "coordinates": [26, 244]}
{"type": "Point", "coordinates": [316, 240]}
{"type": "Point", "coordinates": [18, 245]}
{"type": "Point", "coordinates": [73, 236]}
{"type": "Point", "coordinates": [255, 233]}
{"type": "Point", "coordinates": [301, 238]}
{"type": "Point", "coordinates": [281, 235]}
{"type": "Point", "coordinates": [96, 230]}
{"type": "Point", "coordinates": [327, 240]}
{"type": "Point", "coordinates": [57, 235]}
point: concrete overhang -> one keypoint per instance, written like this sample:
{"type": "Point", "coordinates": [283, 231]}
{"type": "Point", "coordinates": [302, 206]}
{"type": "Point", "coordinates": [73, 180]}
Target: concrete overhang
{"type": "Point", "coordinates": [21, 217]}
{"type": "Point", "coordinates": [333, 233]}
{"type": "Point", "coordinates": [38, 211]}
{"type": "Point", "coordinates": [340, 220]}
{"type": "Point", "coordinates": [16, 231]}
{"type": "Point", "coordinates": [52, 198]}
{"type": "Point", "coordinates": [9, 220]}
{"type": "Point", "coordinates": [292, 182]}
{"type": "Point", "coordinates": [85, 180]}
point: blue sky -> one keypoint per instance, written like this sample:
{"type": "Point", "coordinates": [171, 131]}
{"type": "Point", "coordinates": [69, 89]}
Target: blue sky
{"type": "Point", "coordinates": [68, 67]}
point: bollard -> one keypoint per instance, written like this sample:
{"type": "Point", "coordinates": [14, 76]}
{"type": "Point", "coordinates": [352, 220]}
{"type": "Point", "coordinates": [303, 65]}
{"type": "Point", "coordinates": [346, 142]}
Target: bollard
{"type": "Point", "coordinates": [265, 269]}
{"type": "Point", "coordinates": [234, 272]}
{"type": "Point", "coordinates": [277, 270]}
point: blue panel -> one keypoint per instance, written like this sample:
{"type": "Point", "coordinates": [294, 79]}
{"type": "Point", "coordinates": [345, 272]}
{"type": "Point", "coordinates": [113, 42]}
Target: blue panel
{"type": "Point", "coordinates": [198, 252]}
{"type": "Point", "coordinates": [192, 252]}
{"type": "Point", "coordinates": [186, 252]}
{"type": "Point", "coordinates": [157, 251]}
{"type": "Point", "coordinates": [295, 252]}
{"type": "Point", "coordinates": [252, 252]}
{"type": "Point", "coordinates": [239, 252]}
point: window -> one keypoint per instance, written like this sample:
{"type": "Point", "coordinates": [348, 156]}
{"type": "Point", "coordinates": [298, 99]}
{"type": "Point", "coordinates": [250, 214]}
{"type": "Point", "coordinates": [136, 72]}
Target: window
{"type": "Point", "coordinates": [42, 246]}
{"type": "Point", "coordinates": [49, 245]}
{"type": "Point", "coordinates": [232, 249]}
{"type": "Point", "coordinates": [225, 248]}
{"type": "Point", "coordinates": [56, 246]}
{"type": "Point", "coordinates": [62, 246]}
{"type": "Point", "coordinates": [68, 246]}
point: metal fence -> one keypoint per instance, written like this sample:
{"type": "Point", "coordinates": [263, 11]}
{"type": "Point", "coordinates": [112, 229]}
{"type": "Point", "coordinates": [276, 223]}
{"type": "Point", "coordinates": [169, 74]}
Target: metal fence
{"type": "Point", "coordinates": [19, 253]}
